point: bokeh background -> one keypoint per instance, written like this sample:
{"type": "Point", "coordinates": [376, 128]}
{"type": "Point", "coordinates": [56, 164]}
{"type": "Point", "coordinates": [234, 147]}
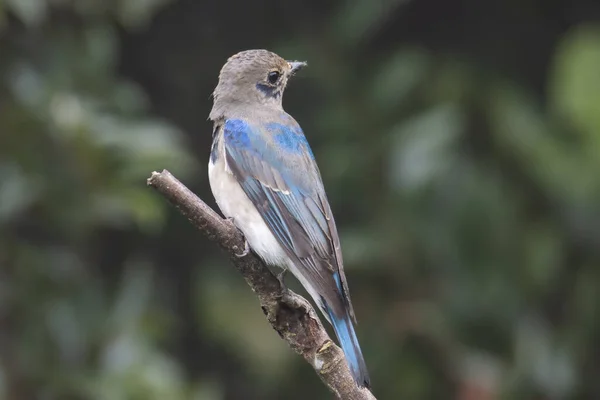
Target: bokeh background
{"type": "Point", "coordinates": [459, 141]}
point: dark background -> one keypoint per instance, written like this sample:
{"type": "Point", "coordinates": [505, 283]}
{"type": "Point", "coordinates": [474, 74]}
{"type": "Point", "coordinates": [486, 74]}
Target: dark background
{"type": "Point", "coordinates": [459, 142]}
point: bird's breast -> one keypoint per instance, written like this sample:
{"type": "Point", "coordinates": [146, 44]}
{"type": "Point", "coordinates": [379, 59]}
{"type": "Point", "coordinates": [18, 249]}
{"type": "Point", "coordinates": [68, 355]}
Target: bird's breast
{"type": "Point", "coordinates": [234, 203]}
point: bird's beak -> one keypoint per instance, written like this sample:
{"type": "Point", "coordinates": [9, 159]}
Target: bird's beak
{"type": "Point", "coordinates": [296, 66]}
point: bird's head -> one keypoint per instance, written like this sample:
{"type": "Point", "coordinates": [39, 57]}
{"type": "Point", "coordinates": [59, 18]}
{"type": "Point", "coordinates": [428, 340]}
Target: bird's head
{"type": "Point", "coordinates": [255, 78]}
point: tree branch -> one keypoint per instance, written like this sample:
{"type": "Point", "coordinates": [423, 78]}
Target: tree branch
{"type": "Point", "coordinates": [288, 313]}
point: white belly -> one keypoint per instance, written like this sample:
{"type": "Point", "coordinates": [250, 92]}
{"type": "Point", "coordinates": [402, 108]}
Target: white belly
{"type": "Point", "coordinates": [234, 203]}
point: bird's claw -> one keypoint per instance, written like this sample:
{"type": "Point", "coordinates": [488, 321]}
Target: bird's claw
{"type": "Point", "coordinates": [281, 277]}
{"type": "Point", "coordinates": [246, 250]}
{"type": "Point", "coordinates": [246, 244]}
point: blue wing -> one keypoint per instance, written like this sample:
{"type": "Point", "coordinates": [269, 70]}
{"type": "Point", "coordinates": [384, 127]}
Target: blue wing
{"type": "Point", "coordinates": [276, 169]}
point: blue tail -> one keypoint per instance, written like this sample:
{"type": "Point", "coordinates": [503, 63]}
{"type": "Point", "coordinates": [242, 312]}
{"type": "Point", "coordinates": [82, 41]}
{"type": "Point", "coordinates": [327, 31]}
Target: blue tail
{"type": "Point", "coordinates": [344, 331]}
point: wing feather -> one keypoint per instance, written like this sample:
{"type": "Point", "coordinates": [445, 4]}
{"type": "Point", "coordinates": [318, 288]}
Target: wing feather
{"type": "Point", "coordinates": [287, 190]}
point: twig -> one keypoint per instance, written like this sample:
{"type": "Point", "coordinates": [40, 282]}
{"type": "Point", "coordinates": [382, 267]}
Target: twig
{"type": "Point", "coordinates": [288, 313]}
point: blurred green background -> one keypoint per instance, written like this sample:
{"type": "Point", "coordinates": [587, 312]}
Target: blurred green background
{"type": "Point", "coordinates": [459, 142]}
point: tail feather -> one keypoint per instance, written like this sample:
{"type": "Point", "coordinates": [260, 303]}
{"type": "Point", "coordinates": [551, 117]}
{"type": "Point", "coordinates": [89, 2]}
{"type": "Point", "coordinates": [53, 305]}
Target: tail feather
{"type": "Point", "coordinates": [346, 335]}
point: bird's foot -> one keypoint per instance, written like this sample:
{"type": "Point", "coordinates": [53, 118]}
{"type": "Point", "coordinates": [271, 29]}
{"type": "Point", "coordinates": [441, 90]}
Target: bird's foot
{"type": "Point", "coordinates": [246, 244]}
{"type": "Point", "coordinates": [281, 277]}
{"type": "Point", "coordinates": [246, 250]}
{"type": "Point", "coordinates": [230, 219]}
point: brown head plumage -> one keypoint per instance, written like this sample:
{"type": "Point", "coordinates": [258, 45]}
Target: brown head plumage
{"type": "Point", "coordinates": [252, 77]}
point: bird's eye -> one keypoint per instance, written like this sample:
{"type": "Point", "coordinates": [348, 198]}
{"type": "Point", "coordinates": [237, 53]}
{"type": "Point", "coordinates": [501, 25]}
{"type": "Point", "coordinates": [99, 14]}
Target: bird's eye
{"type": "Point", "coordinates": [273, 77]}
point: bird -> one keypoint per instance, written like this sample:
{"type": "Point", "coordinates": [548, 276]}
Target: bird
{"type": "Point", "coordinates": [265, 179]}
